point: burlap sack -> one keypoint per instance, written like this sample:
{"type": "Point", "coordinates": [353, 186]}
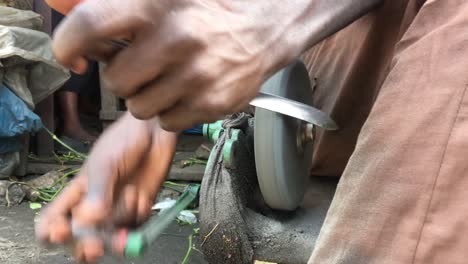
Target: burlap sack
{"type": "Point", "coordinates": [20, 18]}
{"type": "Point", "coordinates": [26, 59]}
{"type": "Point", "coordinates": [19, 4]}
{"type": "Point", "coordinates": [236, 225]}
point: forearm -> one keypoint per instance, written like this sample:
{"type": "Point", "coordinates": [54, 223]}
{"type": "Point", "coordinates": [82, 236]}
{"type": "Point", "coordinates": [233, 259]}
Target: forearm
{"type": "Point", "coordinates": [288, 28]}
{"type": "Point", "coordinates": [315, 20]}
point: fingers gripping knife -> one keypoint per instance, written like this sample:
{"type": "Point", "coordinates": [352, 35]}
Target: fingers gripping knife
{"type": "Point", "coordinates": [283, 136]}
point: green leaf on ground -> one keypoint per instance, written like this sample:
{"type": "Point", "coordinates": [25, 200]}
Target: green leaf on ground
{"type": "Point", "coordinates": [35, 206]}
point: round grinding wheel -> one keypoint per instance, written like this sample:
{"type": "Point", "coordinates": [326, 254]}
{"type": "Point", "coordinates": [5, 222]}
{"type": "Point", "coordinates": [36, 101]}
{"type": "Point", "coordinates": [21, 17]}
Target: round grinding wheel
{"type": "Point", "coordinates": [283, 166]}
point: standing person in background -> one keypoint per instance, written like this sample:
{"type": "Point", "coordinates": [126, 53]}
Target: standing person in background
{"type": "Point", "coordinates": [71, 129]}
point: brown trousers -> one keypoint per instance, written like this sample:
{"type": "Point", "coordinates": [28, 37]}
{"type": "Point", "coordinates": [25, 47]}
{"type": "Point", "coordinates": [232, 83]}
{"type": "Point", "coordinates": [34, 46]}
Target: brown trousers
{"type": "Point", "coordinates": [396, 82]}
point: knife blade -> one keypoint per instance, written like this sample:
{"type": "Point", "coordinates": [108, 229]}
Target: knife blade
{"type": "Point", "coordinates": [294, 109]}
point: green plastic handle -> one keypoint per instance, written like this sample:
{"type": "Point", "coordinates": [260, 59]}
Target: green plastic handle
{"type": "Point", "coordinates": [139, 240]}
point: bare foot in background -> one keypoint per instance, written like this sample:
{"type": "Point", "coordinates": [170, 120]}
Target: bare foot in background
{"type": "Point", "coordinates": [72, 127]}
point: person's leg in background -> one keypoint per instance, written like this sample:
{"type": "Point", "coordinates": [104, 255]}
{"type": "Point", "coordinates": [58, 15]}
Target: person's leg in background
{"type": "Point", "coordinates": [69, 95]}
{"type": "Point", "coordinates": [402, 197]}
{"type": "Point", "coordinates": [78, 88]}
{"type": "Point", "coordinates": [71, 125]}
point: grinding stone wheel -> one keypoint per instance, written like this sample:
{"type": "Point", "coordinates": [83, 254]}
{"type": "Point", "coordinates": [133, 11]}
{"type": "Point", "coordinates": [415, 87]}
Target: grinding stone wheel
{"type": "Point", "coordinates": [282, 168]}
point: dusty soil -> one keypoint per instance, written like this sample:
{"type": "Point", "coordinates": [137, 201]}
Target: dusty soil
{"type": "Point", "coordinates": [18, 246]}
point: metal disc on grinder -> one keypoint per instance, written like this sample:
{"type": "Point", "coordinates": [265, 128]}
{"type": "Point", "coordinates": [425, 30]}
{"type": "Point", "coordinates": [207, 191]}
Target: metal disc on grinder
{"type": "Point", "coordinates": [283, 166]}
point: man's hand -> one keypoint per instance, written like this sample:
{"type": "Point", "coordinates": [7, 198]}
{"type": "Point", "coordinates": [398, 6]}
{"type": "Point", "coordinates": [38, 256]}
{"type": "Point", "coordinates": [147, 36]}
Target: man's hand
{"type": "Point", "coordinates": [188, 61]}
{"type": "Point", "coordinates": [116, 187]}
{"type": "Point", "coordinates": [192, 61]}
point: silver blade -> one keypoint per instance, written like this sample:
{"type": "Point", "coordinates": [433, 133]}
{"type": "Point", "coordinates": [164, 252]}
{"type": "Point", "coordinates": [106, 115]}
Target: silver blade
{"type": "Point", "coordinates": [294, 109]}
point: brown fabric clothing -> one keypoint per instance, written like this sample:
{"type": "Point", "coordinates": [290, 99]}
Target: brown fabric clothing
{"type": "Point", "coordinates": [349, 68]}
{"type": "Point", "coordinates": [402, 197]}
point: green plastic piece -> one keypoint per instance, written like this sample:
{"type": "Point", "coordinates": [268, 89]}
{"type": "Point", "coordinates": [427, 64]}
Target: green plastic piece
{"type": "Point", "coordinates": [215, 136]}
{"type": "Point", "coordinates": [227, 152]}
{"type": "Point", "coordinates": [135, 245]}
{"type": "Point", "coordinates": [235, 134]}
{"type": "Point", "coordinates": [205, 130]}
{"type": "Point", "coordinates": [138, 241]}
{"type": "Point", "coordinates": [210, 129]}
{"type": "Point", "coordinates": [229, 148]}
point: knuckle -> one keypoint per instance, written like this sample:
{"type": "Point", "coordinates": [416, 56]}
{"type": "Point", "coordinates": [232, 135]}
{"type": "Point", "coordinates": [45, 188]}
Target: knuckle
{"type": "Point", "coordinates": [184, 35]}
{"type": "Point", "coordinates": [217, 104]}
{"type": "Point", "coordinates": [203, 74]}
{"type": "Point", "coordinates": [189, 37]}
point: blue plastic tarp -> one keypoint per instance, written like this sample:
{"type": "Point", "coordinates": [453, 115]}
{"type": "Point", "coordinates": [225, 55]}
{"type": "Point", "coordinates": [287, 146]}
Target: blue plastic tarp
{"type": "Point", "coordinates": [16, 119]}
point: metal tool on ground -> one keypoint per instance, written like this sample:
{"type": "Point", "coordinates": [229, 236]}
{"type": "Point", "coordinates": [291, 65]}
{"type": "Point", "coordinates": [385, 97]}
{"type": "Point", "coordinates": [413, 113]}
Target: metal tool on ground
{"type": "Point", "coordinates": [132, 244]}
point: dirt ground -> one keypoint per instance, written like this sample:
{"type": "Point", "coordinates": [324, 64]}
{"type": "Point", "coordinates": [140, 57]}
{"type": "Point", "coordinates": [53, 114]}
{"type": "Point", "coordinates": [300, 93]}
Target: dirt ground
{"type": "Point", "coordinates": [18, 246]}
